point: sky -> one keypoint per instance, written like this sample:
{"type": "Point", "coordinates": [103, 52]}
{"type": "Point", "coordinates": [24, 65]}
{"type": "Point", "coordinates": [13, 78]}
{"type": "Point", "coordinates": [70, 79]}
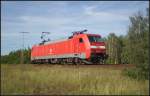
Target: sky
{"type": "Point", "coordinates": [61, 18]}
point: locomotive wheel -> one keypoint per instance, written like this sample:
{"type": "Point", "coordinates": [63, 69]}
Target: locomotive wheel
{"type": "Point", "coordinates": [62, 61]}
{"type": "Point", "coordinates": [80, 62]}
{"type": "Point", "coordinates": [33, 62]}
{"type": "Point", "coordinates": [75, 61]}
{"type": "Point", "coordinates": [101, 60]}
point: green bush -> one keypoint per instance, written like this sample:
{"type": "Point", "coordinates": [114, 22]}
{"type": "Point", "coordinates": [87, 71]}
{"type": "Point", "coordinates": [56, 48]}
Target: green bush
{"type": "Point", "coordinates": [136, 73]}
{"type": "Point", "coordinates": [14, 57]}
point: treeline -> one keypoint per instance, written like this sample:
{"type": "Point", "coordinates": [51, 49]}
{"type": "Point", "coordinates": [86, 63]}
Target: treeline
{"type": "Point", "coordinates": [14, 57]}
{"type": "Point", "coordinates": [132, 48]}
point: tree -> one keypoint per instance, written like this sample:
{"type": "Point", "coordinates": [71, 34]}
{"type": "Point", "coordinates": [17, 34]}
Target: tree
{"type": "Point", "coordinates": [113, 48]}
{"type": "Point", "coordinates": [124, 50]}
{"type": "Point", "coordinates": [138, 44]}
{"type": "Point", "coordinates": [14, 57]}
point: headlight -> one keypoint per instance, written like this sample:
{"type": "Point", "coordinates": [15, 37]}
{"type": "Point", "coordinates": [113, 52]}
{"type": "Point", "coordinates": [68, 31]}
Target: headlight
{"type": "Point", "coordinates": [93, 46]}
{"type": "Point", "coordinates": [102, 47]}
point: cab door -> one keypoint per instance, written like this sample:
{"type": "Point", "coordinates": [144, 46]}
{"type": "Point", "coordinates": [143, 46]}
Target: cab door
{"type": "Point", "coordinates": [81, 45]}
{"type": "Point", "coordinates": [78, 45]}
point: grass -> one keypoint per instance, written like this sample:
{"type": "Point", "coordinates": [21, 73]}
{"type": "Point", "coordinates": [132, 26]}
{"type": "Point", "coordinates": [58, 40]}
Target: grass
{"type": "Point", "coordinates": [68, 80]}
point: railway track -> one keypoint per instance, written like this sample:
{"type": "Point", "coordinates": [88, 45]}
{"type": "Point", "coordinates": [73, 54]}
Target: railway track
{"type": "Point", "coordinates": [116, 66]}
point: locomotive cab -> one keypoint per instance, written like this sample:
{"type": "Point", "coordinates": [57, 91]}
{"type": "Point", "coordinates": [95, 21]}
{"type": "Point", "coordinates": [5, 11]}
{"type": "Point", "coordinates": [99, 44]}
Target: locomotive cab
{"type": "Point", "coordinates": [97, 47]}
{"type": "Point", "coordinates": [97, 44]}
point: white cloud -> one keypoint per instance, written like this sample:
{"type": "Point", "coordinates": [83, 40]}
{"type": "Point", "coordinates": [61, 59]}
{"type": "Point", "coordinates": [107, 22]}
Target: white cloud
{"type": "Point", "coordinates": [104, 16]}
{"type": "Point", "coordinates": [88, 18]}
{"type": "Point", "coordinates": [89, 9]}
{"type": "Point", "coordinates": [52, 22]}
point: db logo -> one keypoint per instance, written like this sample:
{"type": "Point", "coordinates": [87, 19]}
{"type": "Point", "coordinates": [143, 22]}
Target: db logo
{"type": "Point", "coordinates": [50, 51]}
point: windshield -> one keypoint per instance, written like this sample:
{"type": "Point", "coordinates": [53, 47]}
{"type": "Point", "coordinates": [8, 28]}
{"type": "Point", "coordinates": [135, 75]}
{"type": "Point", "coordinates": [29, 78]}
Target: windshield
{"type": "Point", "coordinates": [95, 39]}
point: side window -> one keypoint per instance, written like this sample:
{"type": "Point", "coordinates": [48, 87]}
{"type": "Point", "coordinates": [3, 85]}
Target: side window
{"type": "Point", "coordinates": [80, 40]}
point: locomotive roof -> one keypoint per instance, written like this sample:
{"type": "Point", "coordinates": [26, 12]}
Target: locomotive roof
{"type": "Point", "coordinates": [54, 41]}
{"type": "Point", "coordinates": [94, 35]}
{"type": "Point", "coordinates": [58, 40]}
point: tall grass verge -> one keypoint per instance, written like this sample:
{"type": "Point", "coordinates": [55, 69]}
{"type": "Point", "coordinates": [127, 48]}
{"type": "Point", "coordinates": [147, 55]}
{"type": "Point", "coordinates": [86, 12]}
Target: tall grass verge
{"type": "Point", "coordinates": [68, 80]}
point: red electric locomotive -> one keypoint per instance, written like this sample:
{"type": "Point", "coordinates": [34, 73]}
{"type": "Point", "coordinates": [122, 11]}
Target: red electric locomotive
{"type": "Point", "coordinates": [78, 48]}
